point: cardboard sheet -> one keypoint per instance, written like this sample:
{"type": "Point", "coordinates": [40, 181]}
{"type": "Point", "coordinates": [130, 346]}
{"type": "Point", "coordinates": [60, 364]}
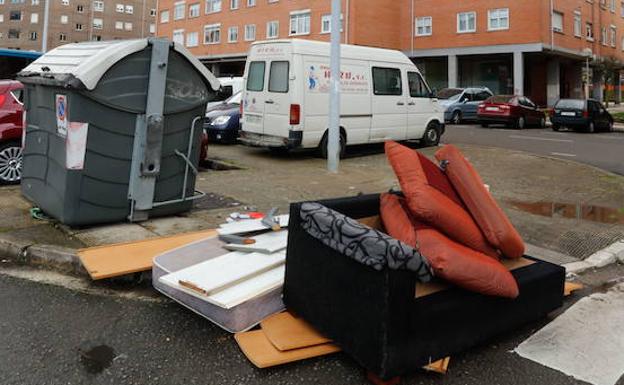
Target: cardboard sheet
{"type": "Point", "coordinates": [131, 257]}
{"type": "Point", "coordinates": [259, 350]}
{"type": "Point", "coordinates": [287, 332]}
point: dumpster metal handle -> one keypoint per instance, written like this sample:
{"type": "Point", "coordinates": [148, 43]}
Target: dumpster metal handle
{"type": "Point", "coordinates": [187, 160]}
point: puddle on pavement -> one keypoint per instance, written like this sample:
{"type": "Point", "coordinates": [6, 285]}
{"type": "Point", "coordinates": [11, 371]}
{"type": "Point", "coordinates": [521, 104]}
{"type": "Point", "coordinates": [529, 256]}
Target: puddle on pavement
{"type": "Point", "coordinates": [571, 210]}
{"type": "Point", "coordinates": [98, 358]}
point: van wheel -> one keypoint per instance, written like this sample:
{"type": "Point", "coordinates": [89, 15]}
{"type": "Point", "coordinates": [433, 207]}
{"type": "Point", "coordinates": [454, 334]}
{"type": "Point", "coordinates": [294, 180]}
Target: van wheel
{"type": "Point", "coordinates": [432, 135]}
{"type": "Point", "coordinates": [322, 148]}
{"type": "Point", "coordinates": [279, 151]}
{"type": "Point", "coordinates": [457, 118]}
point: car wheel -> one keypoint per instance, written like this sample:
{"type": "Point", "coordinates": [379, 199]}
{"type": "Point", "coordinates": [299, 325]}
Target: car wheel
{"type": "Point", "coordinates": [457, 118]}
{"type": "Point", "coordinates": [591, 128]}
{"type": "Point", "coordinates": [322, 148]}
{"type": "Point", "coordinates": [610, 125]}
{"type": "Point", "coordinates": [520, 123]}
{"type": "Point", "coordinates": [485, 125]}
{"type": "Point", "coordinates": [432, 135]}
{"type": "Point", "coordinates": [556, 127]}
{"type": "Point", "coordinates": [10, 163]}
{"type": "Point", "coordinates": [542, 122]}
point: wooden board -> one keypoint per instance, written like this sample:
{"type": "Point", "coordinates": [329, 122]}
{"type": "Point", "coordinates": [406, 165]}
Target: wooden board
{"type": "Point", "coordinates": [266, 243]}
{"type": "Point", "coordinates": [570, 287]}
{"type": "Point", "coordinates": [131, 257]}
{"type": "Point", "coordinates": [249, 225]}
{"type": "Point", "coordinates": [216, 274]}
{"type": "Point", "coordinates": [287, 332]}
{"type": "Point", "coordinates": [440, 366]}
{"type": "Point", "coordinates": [239, 293]}
{"type": "Point", "coordinates": [259, 350]}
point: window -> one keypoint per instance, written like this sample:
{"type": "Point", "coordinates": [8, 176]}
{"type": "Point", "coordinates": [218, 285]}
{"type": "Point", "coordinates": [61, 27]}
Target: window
{"type": "Point", "coordinates": [64, 2]}
{"type": "Point", "coordinates": [119, 25]}
{"type": "Point", "coordinates": [251, 3]}
{"type": "Point", "coordinates": [212, 34]}
{"type": "Point", "coordinates": [178, 36]}
{"type": "Point", "coordinates": [255, 78]}
{"type": "Point", "coordinates": [153, 12]}
{"type": "Point", "coordinates": [152, 28]}
{"type": "Point", "coordinates": [577, 24]}
{"type": "Point", "coordinates": [78, 27]}
{"type": "Point", "coordinates": [326, 23]}
{"type": "Point", "coordinates": [612, 6]}
{"type": "Point", "coordinates": [179, 9]}
{"type": "Point", "coordinates": [128, 26]}
{"type": "Point", "coordinates": [622, 9]}
{"type": "Point", "coordinates": [424, 26]}
{"type": "Point", "coordinates": [234, 4]}
{"type": "Point", "coordinates": [300, 23]}
{"type": "Point", "coordinates": [589, 31]}
{"type": "Point", "coordinates": [498, 19]}
{"type": "Point", "coordinates": [387, 81]}
{"type": "Point", "coordinates": [62, 37]}
{"type": "Point", "coordinates": [98, 23]}
{"type": "Point", "coordinates": [250, 32]}
{"type": "Point", "coordinates": [1, 18]}
{"type": "Point", "coordinates": [272, 29]}
{"type": "Point", "coordinates": [80, 8]}
{"type": "Point", "coordinates": [15, 15]}
{"type": "Point", "coordinates": [119, 8]}
{"type": "Point", "coordinates": [98, 6]}
{"type": "Point", "coordinates": [278, 77]}
{"type": "Point", "coordinates": [129, 9]}
{"type": "Point", "coordinates": [32, 36]}
{"type": "Point", "coordinates": [417, 86]}
{"type": "Point", "coordinates": [603, 35]}
{"type": "Point", "coordinates": [557, 21]}
{"type": "Point", "coordinates": [14, 34]}
{"type": "Point", "coordinates": [34, 18]}
{"type": "Point", "coordinates": [481, 96]}
{"type": "Point", "coordinates": [194, 10]}
{"type": "Point", "coordinates": [64, 19]}
{"type": "Point", "coordinates": [164, 16]}
{"type": "Point", "coordinates": [466, 22]}
{"type": "Point", "coordinates": [613, 35]}
{"type": "Point", "coordinates": [192, 39]}
{"type": "Point", "coordinates": [34, 2]}
{"type": "Point", "coordinates": [232, 34]}
{"type": "Point", "coordinates": [96, 38]}
{"type": "Point", "coordinates": [213, 6]}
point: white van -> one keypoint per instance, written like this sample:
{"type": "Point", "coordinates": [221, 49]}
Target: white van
{"type": "Point", "coordinates": [286, 97]}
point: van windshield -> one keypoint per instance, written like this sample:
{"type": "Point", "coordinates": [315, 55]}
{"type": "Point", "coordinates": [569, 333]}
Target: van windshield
{"type": "Point", "coordinates": [449, 93]}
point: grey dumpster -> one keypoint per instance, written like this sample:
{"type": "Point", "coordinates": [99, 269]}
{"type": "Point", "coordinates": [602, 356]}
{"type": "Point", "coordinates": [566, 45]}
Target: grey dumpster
{"type": "Point", "coordinates": [113, 130]}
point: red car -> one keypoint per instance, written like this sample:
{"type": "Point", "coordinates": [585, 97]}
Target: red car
{"type": "Point", "coordinates": [11, 124]}
{"type": "Point", "coordinates": [510, 110]}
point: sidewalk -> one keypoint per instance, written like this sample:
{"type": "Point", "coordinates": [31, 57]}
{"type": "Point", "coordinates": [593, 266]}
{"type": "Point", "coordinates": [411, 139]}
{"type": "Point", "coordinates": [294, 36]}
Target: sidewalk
{"type": "Point", "coordinates": [517, 180]}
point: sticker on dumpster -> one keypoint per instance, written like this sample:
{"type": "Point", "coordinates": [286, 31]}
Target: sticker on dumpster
{"type": "Point", "coordinates": [61, 115]}
{"type": "Point", "coordinates": [76, 145]}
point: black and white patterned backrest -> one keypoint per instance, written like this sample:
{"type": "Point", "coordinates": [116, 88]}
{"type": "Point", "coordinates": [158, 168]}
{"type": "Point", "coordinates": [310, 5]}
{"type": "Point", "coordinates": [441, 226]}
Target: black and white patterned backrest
{"type": "Point", "coordinates": [360, 242]}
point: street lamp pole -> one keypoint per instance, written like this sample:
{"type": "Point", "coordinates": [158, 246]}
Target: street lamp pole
{"type": "Point", "coordinates": [333, 136]}
{"type": "Point", "coordinates": [46, 20]}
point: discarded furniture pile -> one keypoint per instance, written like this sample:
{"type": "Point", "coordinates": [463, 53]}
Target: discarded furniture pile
{"type": "Point", "coordinates": [398, 281]}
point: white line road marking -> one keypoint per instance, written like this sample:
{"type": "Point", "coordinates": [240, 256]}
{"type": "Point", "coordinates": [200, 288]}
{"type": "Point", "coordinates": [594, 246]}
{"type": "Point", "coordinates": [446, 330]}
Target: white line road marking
{"type": "Point", "coordinates": [537, 138]}
{"type": "Point", "coordinates": [610, 137]}
{"type": "Point", "coordinates": [562, 154]}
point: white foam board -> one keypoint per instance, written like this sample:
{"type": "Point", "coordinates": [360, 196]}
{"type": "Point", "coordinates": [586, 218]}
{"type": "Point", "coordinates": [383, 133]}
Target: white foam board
{"type": "Point", "coordinates": [249, 225]}
{"type": "Point", "coordinates": [586, 342]}
{"type": "Point", "coordinates": [266, 243]}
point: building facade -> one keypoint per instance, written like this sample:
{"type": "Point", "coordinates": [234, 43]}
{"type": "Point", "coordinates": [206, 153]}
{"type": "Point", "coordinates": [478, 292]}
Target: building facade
{"type": "Point", "coordinates": [540, 48]}
{"type": "Point", "coordinates": [22, 21]}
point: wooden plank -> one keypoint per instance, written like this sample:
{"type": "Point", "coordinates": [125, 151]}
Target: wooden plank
{"type": "Point", "coordinates": [287, 331]}
{"type": "Point", "coordinates": [266, 243]}
{"type": "Point", "coordinates": [249, 225]}
{"type": "Point", "coordinates": [131, 257]}
{"type": "Point", "coordinates": [237, 294]}
{"type": "Point", "coordinates": [440, 366]}
{"type": "Point", "coordinates": [570, 287]}
{"type": "Point", "coordinates": [259, 350]}
{"type": "Point", "coordinates": [216, 274]}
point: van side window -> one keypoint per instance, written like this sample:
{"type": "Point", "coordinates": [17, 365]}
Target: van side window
{"type": "Point", "coordinates": [255, 79]}
{"type": "Point", "coordinates": [278, 76]}
{"type": "Point", "coordinates": [417, 86]}
{"type": "Point", "coordinates": [387, 81]}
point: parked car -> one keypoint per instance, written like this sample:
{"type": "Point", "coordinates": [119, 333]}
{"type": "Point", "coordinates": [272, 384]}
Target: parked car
{"type": "Point", "coordinates": [286, 97]}
{"type": "Point", "coordinates": [229, 87]}
{"type": "Point", "coordinates": [11, 126]}
{"type": "Point", "coordinates": [577, 114]}
{"type": "Point", "coordinates": [222, 122]}
{"type": "Point", "coordinates": [510, 110]}
{"type": "Point", "coordinates": [460, 104]}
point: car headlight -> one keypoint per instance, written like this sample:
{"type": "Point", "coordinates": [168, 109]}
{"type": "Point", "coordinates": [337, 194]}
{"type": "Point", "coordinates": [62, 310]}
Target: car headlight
{"type": "Point", "coordinates": [220, 120]}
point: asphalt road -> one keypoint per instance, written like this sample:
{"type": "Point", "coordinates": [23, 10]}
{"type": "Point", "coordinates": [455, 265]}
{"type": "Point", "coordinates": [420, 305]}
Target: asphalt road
{"type": "Point", "coordinates": [603, 150]}
{"type": "Point", "coordinates": [53, 335]}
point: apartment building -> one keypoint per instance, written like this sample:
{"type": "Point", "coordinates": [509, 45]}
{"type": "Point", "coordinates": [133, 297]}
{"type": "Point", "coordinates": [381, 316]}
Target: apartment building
{"type": "Point", "coordinates": [539, 48]}
{"type": "Point", "coordinates": [22, 21]}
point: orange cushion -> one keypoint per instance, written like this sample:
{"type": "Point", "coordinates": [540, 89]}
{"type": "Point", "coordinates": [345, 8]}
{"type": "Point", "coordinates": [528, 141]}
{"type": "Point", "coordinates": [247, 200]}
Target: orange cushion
{"type": "Point", "coordinates": [490, 218]}
{"type": "Point", "coordinates": [435, 206]}
{"type": "Point", "coordinates": [450, 260]}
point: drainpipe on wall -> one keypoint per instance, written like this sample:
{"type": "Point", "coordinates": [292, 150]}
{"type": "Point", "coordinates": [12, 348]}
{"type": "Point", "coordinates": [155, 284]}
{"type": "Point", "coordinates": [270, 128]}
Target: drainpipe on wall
{"type": "Point", "coordinates": [552, 30]}
{"type": "Point", "coordinates": [346, 27]}
{"type": "Point", "coordinates": [413, 30]}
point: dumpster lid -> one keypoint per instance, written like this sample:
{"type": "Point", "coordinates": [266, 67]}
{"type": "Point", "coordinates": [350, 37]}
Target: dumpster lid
{"type": "Point", "coordinates": [89, 61]}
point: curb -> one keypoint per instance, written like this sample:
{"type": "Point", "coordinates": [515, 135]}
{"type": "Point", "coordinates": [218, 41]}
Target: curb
{"type": "Point", "coordinates": [618, 128]}
{"type": "Point", "coordinates": [58, 258]}
{"type": "Point", "coordinates": [601, 258]}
